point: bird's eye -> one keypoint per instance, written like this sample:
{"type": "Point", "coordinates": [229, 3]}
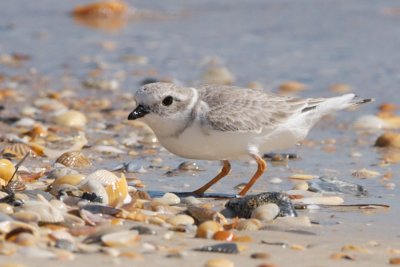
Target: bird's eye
{"type": "Point", "coordinates": [168, 100]}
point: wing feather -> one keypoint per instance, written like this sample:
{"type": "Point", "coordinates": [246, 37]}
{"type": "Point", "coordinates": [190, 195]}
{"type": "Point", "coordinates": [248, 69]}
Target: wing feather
{"type": "Point", "coordinates": [234, 109]}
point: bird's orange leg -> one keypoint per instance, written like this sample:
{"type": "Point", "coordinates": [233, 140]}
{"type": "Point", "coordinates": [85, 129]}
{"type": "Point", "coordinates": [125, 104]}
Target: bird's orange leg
{"type": "Point", "coordinates": [226, 167]}
{"type": "Point", "coordinates": [262, 165]}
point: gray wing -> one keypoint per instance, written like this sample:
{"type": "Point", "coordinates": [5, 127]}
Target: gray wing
{"type": "Point", "coordinates": [233, 109]}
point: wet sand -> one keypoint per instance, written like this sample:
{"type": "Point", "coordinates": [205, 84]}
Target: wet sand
{"type": "Point", "coordinates": [317, 43]}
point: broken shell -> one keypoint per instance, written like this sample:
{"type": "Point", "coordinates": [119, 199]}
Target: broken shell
{"type": "Point", "coordinates": [388, 140]}
{"type": "Point", "coordinates": [266, 212]}
{"type": "Point", "coordinates": [203, 214]}
{"type": "Point", "coordinates": [71, 118]}
{"type": "Point", "coordinates": [120, 239]}
{"type": "Point", "coordinates": [207, 229]}
{"type": "Point", "coordinates": [229, 248]}
{"type": "Point", "coordinates": [223, 235]}
{"type": "Point", "coordinates": [168, 199]}
{"type": "Point", "coordinates": [291, 87]}
{"type": "Point", "coordinates": [26, 216]}
{"type": "Point", "coordinates": [23, 239]}
{"type": "Point", "coordinates": [248, 225]}
{"type": "Point", "coordinates": [104, 9]}
{"type": "Point", "coordinates": [47, 212]}
{"type": "Point", "coordinates": [365, 173]}
{"type": "Point", "coordinates": [69, 179]}
{"type": "Point", "coordinates": [18, 151]}
{"type": "Point", "coordinates": [181, 219]}
{"type": "Point", "coordinates": [6, 208]}
{"type": "Point", "coordinates": [116, 188]}
{"type": "Point", "coordinates": [74, 159]}
{"type": "Point", "coordinates": [7, 170]}
{"type": "Point", "coordinates": [219, 262]}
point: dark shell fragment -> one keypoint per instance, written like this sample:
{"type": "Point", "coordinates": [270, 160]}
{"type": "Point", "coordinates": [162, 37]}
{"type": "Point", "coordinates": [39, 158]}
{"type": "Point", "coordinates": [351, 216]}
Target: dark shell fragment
{"type": "Point", "coordinates": [334, 185]}
{"type": "Point", "coordinates": [228, 248]}
{"type": "Point", "coordinates": [243, 207]}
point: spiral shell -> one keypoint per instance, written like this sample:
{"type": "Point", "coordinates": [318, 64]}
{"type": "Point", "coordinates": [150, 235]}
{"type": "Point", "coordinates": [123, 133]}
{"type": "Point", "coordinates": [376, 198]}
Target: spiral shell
{"type": "Point", "coordinates": [74, 159]}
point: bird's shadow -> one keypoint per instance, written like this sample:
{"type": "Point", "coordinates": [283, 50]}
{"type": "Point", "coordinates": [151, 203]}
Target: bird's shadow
{"type": "Point", "coordinates": [188, 194]}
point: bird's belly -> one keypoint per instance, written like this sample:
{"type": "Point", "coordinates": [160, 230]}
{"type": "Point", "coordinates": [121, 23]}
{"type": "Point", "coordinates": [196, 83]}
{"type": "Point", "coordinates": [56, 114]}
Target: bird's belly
{"type": "Point", "coordinates": [194, 143]}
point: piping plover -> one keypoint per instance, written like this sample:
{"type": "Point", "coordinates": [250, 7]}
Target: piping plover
{"type": "Point", "coordinates": [214, 122]}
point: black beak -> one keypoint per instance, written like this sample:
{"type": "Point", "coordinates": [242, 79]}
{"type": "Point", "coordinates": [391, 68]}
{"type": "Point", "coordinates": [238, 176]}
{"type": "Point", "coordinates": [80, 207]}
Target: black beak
{"type": "Point", "coordinates": [139, 112]}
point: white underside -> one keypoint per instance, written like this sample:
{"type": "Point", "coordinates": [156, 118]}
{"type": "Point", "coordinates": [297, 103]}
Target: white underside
{"type": "Point", "coordinates": [201, 142]}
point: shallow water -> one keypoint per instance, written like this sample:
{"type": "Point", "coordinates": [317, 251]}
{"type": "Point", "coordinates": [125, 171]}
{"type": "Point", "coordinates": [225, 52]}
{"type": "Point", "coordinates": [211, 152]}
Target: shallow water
{"type": "Point", "coordinates": [318, 43]}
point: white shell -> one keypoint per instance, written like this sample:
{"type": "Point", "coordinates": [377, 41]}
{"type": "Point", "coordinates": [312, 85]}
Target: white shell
{"type": "Point", "coordinates": [267, 212]}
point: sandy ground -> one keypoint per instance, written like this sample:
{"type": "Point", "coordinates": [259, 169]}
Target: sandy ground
{"type": "Point", "coordinates": [318, 43]}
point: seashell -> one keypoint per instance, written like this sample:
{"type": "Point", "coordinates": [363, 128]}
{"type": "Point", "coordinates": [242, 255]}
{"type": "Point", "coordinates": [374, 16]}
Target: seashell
{"type": "Point", "coordinates": [215, 74]}
{"type": "Point", "coordinates": [302, 176]}
{"type": "Point", "coordinates": [340, 88]}
{"type": "Point", "coordinates": [70, 179]}
{"type": "Point", "coordinates": [26, 216]}
{"type": "Point", "coordinates": [370, 122]}
{"type": "Point", "coordinates": [181, 219]}
{"type": "Point", "coordinates": [333, 184]}
{"type": "Point", "coordinates": [71, 118]}
{"type": "Point", "coordinates": [7, 170]}
{"type": "Point", "coordinates": [223, 235]}
{"type": "Point", "coordinates": [208, 228]}
{"type": "Point", "coordinates": [74, 159]}
{"type": "Point", "coordinates": [243, 207]}
{"type": "Point", "coordinates": [60, 171]}
{"type": "Point", "coordinates": [324, 200]}
{"type": "Point", "coordinates": [168, 199]}
{"type": "Point", "coordinates": [105, 9]}
{"type": "Point", "coordinates": [12, 227]}
{"type": "Point", "coordinates": [220, 262]}
{"type": "Point", "coordinates": [46, 212]}
{"type": "Point", "coordinates": [204, 214]}
{"type": "Point", "coordinates": [100, 209]}
{"type": "Point", "coordinates": [365, 173]}
{"type": "Point", "coordinates": [267, 212]}
{"type": "Point", "coordinates": [116, 188]}
{"type": "Point", "coordinates": [24, 122]}
{"type": "Point", "coordinates": [248, 225]}
{"type": "Point", "coordinates": [143, 230]}
{"type": "Point", "coordinates": [301, 186]}
{"type": "Point", "coordinates": [108, 149]}
{"type": "Point", "coordinates": [96, 187]}
{"type": "Point", "coordinates": [6, 208]}
{"type": "Point", "coordinates": [120, 239]}
{"type": "Point", "coordinates": [291, 87]}
{"type": "Point", "coordinates": [229, 248]}
{"type": "Point", "coordinates": [35, 252]}
{"type": "Point", "coordinates": [72, 221]}
{"type": "Point", "coordinates": [92, 219]}
{"type": "Point", "coordinates": [23, 239]}
{"type": "Point", "coordinates": [18, 151]}
{"type": "Point", "coordinates": [390, 139]}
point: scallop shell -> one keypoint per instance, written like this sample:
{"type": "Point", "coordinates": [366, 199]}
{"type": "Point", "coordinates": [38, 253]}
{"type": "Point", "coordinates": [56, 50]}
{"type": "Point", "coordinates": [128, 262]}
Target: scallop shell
{"type": "Point", "coordinates": [74, 159]}
{"type": "Point", "coordinates": [7, 169]}
{"type": "Point", "coordinates": [116, 188]}
{"type": "Point", "coordinates": [18, 151]}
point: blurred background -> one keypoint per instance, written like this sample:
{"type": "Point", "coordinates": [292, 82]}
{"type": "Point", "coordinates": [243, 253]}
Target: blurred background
{"type": "Point", "coordinates": [326, 47]}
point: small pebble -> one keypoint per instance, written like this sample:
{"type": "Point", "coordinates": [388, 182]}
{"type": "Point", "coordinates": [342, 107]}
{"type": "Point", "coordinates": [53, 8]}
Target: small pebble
{"type": "Point", "coordinates": [219, 262]}
{"type": "Point", "coordinates": [260, 256]}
